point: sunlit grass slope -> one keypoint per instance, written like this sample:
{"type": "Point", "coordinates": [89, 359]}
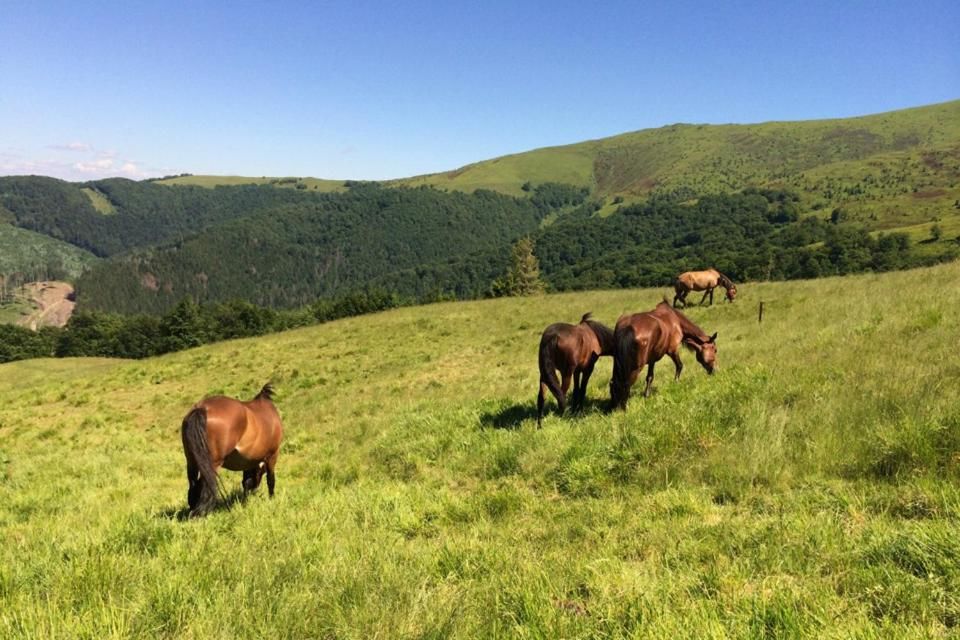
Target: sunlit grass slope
{"type": "Point", "coordinates": [809, 488]}
{"type": "Point", "coordinates": [312, 184]}
{"type": "Point", "coordinates": [888, 171]}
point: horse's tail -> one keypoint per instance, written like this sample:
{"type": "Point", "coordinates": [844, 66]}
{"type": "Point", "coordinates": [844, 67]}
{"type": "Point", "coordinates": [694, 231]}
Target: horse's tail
{"type": "Point", "coordinates": [623, 356]}
{"type": "Point", "coordinates": [195, 448]}
{"type": "Point", "coordinates": [679, 289]}
{"type": "Point", "coordinates": [548, 374]}
{"type": "Point", "coordinates": [266, 392]}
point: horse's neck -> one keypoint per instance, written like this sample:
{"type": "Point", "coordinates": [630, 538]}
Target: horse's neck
{"type": "Point", "coordinates": [689, 329]}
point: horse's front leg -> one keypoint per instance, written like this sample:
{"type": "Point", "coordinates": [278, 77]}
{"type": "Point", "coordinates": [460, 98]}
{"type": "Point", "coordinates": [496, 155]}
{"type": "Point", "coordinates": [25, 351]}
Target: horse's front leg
{"type": "Point", "coordinates": [678, 365]}
{"type": "Point", "coordinates": [708, 292]}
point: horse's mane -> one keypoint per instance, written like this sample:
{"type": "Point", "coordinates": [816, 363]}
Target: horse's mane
{"type": "Point", "coordinates": [725, 282]}
{"type": "Point", "coordinates": [603, 332]}
{"type": "Point", "coordinates": [267, 392]}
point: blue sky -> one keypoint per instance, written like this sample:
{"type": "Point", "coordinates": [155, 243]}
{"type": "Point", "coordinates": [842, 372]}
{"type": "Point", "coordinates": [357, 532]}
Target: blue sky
{"type": "Point", "coordinates": [371, 90]}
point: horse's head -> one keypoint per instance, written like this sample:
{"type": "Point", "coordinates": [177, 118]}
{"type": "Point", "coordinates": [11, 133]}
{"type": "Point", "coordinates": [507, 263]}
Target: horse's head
{"type": "Point", "coordinates": [731, 293]}
{"type": "Point", "coordinates": [619, 385]}
{"type": "Point", "coordinates": [707, 353]}
{"type": "Point", "coordinates": [619, 392]}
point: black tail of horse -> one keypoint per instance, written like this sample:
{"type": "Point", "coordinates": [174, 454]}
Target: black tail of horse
{"type": "Point", "coordinates": [548, 375]}
{"type": "Point", "coordinates": [680, 292]}
{"type": "Point", "coordinates": [624, 359]}
{"type": "Point", "coordinates": [203, 490]}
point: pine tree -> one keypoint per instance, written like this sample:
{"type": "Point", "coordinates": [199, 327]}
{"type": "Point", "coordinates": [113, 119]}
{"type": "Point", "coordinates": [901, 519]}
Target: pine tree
{"type": "Point", "coordinates": [523, 276]}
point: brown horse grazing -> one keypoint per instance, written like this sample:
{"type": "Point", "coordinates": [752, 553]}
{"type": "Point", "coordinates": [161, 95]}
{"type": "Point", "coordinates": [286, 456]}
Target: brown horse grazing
{"type": "Point", "coordinates": [240, 436]}
{"type": "Point", "coordinates": [644, 338]}
{"type": "Point", "coordinates": [574, 350]}
{"type": "Point", "coordinates": [705, 281]}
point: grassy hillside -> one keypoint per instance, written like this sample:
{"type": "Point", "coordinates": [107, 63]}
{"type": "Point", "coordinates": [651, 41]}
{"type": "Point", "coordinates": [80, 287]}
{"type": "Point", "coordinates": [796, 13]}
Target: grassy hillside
{"type": "Point", "coordinates": [311, 184]}
{"type": "Point", "coordinates": [887, 171]}
{"type": "Point", "coordinates": [890, 165]}
{"type": "Point", "coordinates": [808, 488]}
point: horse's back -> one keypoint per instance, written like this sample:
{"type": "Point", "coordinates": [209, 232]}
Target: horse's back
{"type": "Point", "coordinates": [655, 333]}
{"type": "Point", "coordinates": [574, 343]}
{"type": "Point", "coordinates": [241, 433]}
{"type": "Point", "coordinates": [699, 280]}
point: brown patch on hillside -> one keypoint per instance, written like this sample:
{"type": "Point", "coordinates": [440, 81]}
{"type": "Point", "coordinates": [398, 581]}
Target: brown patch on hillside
{"type": "Point", "coordinates": [933, 193]}
{"type": "Point", "coordinates": [53, 304]}
{"type": "Point", "coordinates": [149, 281]}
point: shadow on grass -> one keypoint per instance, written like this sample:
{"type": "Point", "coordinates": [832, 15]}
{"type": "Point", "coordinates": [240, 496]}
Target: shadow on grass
{"type": "Point", "coordinates": [237, 496]}
{"type": "Point", "coordinates": [512, 416]}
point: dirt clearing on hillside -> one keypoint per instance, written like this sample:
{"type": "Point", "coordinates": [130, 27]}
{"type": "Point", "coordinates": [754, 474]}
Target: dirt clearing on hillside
{"type": "Point", "coordinates": [52, 304]}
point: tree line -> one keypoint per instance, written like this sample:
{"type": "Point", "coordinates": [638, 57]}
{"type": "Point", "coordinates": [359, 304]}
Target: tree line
{"type": "Point", "coordinates": [186, 325]}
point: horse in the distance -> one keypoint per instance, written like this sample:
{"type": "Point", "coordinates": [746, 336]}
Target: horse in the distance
{"type": "Point", "coordinates": [644, 338]}
{"type": "Point", "coordinates": [574, 351]}
{"type": "Point", "coordinates": [240, 436]}
{"type": "Point", "coordinates": [705, 281]}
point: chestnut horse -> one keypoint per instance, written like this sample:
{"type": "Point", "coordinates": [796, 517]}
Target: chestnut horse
{"type": "Point", "coordinates": [705, 281]}
{"type": "Point", "coordinates": [574, 350]}
{"type": "Point", "coordinates": [236, 435]}
{"type": "Point", "coordinates": [643, 338]}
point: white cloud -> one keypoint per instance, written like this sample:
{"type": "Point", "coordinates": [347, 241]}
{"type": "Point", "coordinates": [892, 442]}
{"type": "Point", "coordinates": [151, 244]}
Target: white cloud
{"type": "Point", "coordinates": [95, 166]}
{"type": "Point", "coordinates": [79, 147]}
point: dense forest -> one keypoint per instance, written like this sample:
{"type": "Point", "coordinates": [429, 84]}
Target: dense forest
{"type": "Point", "coordinates": [757, 234]}
{"type": "Point", "coordinates": [323, 246]}
{"type": "Point", "coordinates": [141, 214]}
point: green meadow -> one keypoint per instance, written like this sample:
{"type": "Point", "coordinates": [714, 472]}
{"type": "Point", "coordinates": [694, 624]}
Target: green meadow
{"type": "Point", "coordinates": [809, 488]}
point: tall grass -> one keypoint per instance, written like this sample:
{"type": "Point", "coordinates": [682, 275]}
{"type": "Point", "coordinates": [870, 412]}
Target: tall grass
{"type": "Point", "coordinates": [809, 488]}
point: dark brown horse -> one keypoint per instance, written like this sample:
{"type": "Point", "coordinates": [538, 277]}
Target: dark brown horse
{"type": "Point", "coordinates": [574, 350]}
{"type": "Point", "coordinates": [240, 436]}
{"type": "Point", "coordinates": [705, 281]}
{"type": "Point", "coordinates": [643, 338]}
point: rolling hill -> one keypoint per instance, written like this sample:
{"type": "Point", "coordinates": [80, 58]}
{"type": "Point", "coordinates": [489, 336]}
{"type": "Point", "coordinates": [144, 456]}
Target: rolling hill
{"type": "Point", "coordinates": [888, 169]}
{"type": "Point", "coordinates": [807, 489]}
{"type": "Point", "coordinates": [619, 211]}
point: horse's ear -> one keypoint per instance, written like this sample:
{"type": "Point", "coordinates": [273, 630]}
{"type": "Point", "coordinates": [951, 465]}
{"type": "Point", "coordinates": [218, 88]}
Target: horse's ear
{"type": "Point", "coordinates": [713, 338]}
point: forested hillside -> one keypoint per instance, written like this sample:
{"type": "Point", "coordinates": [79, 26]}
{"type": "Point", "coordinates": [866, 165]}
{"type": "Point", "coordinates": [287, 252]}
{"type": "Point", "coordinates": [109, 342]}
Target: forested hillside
{"type": "Point", "coordinates": [143, 213]}
{"type": "Point", "coordinates": [320, 246]}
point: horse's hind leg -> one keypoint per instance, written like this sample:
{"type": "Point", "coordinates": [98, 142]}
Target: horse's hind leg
{"type": "Point", "coordinates": [252, 477]}
{"type": "Point", "coordinates": [541, 398]}
{"type": "Point", "coordinates": [646, 391]}
{"type": "Point", "coordinates": [194, 486]}
{"type": "Point", "coordinates": [577, 390]}
{"type": "Point", "coordinates": [587, 372]}
{"type": "Point", "coordinates": [565, 378]}
{"type": "Point", "coordinates": [271, 462]}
